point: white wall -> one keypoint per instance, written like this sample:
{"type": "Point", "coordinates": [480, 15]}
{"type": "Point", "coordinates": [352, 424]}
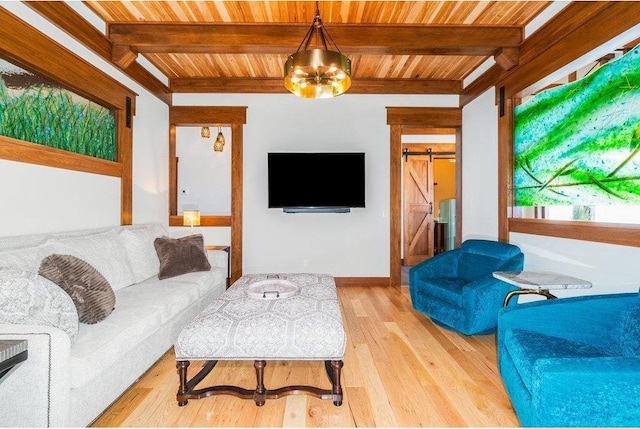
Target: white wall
{"type": "Point", "coordinates": [205, 175]}
{"type": "Point", "coordinates": [354, 244]}
{"type": "Point", "coordinates": [479, 168]}
{"type": "Point", "coordinates": [52, 199]}
{"type": "Point", "coordinates": [610, 268]}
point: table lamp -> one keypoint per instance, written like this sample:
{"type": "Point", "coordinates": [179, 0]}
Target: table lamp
{"type": "Point", "coordinates": [191, 218]}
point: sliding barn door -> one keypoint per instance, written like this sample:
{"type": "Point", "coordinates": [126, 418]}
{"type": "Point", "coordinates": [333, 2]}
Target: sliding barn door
{"type": "Point", "coordinates": [418, 209]}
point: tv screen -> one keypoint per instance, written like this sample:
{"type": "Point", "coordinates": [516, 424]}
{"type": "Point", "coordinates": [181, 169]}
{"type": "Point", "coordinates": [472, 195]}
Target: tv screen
{"type": "Point", "coordinates": [316, 180]}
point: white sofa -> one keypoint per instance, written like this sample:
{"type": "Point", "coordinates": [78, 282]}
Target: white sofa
{"type": "Point", "coordinates": [66, 383]}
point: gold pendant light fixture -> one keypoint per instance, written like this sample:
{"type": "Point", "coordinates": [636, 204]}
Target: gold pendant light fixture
{"type": "Point", "coordinates": [318, 72]}
{"type": "Point", "coordinates": [218, 145]}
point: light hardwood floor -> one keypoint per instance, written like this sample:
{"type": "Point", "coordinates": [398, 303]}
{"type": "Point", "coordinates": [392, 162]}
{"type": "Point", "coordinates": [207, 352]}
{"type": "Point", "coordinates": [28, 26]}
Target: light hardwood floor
{"type": "Point", "coordinates": [400, 370]}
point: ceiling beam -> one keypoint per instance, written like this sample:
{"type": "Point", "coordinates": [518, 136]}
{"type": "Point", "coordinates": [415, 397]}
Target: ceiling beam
{"type": "Point", "coordinates": [71, 22]}
{"type": "Point", "coordinates": [419, 131]}
{"type": "Point", "coordinates": [425, 117]}
{"type": "Point", "coordinates": [567, 21]}
{"type": "Point", "coordinates": [276, 86]}
{"type": "Point", "coordinates": [611, 21]}
{"type": "Point", "coordinates": [284, 38]}
{"type": "Point", "coordinates": [507, 58]}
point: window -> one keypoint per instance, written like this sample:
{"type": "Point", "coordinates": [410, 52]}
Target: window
{"type": "Point", "coordinates": [36, 109]}
{"type": "Point", "coordinates": [577, 147]}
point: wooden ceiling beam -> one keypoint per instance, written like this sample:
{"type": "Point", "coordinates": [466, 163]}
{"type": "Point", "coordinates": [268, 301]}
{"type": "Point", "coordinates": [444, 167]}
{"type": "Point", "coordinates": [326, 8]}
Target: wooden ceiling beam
{"type": "Point", "coordinates": [276, 86]}
{"type": "Point", "coordinates": [507, 58]}
{"type": "Point", "coordinates": [123, 56]}
{"type": "Point", "coordinates": [425, 117]}
{"type": "Point", "coordinates": [613, 19]}
{"type": "Point", "coordinates": [419, 131]}
{"type": "Point", "coordinates": [284, 38]}
{"type": "Point", "coordinates": [71, 22]}
{"type": "Point", "coordinates": [568, 20]}
{"type": "Point", "coordinates": [202, 116]}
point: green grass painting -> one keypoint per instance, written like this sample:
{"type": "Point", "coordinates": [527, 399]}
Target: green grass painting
{"type": "Point", "coordinates": [579, 144]}
{"type": "Point", "coordinates": [54, 117]}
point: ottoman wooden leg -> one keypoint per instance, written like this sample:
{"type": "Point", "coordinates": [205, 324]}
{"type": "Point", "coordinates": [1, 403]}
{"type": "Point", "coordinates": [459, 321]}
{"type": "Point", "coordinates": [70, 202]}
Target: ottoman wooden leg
{"type": "Point", "coordinates": [334, 376]}
{"type": "Point", "coordinates": [259, 395]}
{"type": "Point", "coordinates": [182, 366]}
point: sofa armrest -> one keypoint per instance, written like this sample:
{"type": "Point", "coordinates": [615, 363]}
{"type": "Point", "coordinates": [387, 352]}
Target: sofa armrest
{"type": "Point", "coordinates": [587, 391]}
{"type": "Point", "coordinates": [218, 258]}
{"type": "Point", "coordinates": [515, 263]}
{"type": "Point", "coordinates": [488, 291]}
{"type": "Point", "coordinates": [586, 319]}
{"type": "Point", "coordinates": [37, 392]}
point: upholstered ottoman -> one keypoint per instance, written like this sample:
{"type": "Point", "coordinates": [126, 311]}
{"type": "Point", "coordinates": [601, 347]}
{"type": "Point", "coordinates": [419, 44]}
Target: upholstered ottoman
{"type": "Point", "coordinates": [300, 323]}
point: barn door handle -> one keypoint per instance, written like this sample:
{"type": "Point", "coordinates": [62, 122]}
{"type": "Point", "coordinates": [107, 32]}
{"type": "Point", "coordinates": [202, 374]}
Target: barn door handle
{"type": "Point", "coordinates": [430, 207]}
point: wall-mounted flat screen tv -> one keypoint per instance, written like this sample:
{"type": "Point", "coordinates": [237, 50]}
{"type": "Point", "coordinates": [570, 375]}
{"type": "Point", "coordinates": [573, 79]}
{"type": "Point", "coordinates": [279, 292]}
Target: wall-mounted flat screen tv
{"type": "Point", "coordinates": [316, 182]}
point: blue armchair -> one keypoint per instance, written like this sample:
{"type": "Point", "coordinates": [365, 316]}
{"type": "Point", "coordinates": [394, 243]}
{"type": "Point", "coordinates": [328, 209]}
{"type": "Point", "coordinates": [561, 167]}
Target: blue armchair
{"type": "Point", "coordinates": [457, 290]}
{"type": "Point", "coordinates": [573, 361]}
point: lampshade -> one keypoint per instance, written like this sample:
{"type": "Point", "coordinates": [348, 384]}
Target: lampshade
{"type": "Point", "coordinates": [205, 133]}
{"type": "Point", "coordinates": [191, 218]}
{"type": "Point", "coordinates": [318, 72]}
{"type": "Point", "coordinates": [218, 145]}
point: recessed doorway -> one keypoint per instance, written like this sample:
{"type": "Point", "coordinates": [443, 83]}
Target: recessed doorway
{"type": "Point", "coordinates": [412, 121]}
{"type": "Point", "coordinates": [428, 199]}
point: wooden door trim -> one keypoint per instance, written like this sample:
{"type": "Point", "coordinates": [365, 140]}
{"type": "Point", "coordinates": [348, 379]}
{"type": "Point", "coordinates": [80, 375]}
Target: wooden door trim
{"type": "Point", "coordinates": [198, 116]}
{"type": "Point", "coordinates": [411, 117]}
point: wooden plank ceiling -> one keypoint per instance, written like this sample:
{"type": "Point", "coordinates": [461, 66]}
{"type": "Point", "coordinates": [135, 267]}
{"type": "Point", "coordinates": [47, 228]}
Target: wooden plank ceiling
{"type": "Point", "coordinates": [395, 46]}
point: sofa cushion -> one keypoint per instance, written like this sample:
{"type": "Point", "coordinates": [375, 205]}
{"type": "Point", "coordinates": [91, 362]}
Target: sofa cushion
{"type": "Point", "coordinates": [104, 251]}
{"type": "Point", "coordinates": [29, 299]}
{"type": "Point", "coordinates": [143, 310]}
{"type": "Point", "coordinates": [138, 242]}
{"type": "Point", "coordinates": [26, 258]}
{"type": "Point", "coordinates": [630, 335]}
{"type": "Point", "coordinates": [474, 266]}
{"type": "Point", "coordinates": [89, 290]}
{"type": "Point", "coordinates": [181, 255]}
{"type": "Point", "coordinates": [527, 347]}
{"type": "Point", "coordinates": [448, 290]}
{"type": "Point", "coordinates": [171, 295]}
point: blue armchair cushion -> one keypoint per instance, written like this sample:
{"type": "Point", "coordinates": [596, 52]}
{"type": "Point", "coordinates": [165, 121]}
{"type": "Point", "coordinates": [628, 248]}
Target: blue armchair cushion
{"type": "Point", "coordinates": [473, 266]}
{"type": "Point", "coordinates": [447, 289]}
{"type": "Point", "coordinates": [527, 348]}
{"type": "Point", "coordinates": [630, 336]}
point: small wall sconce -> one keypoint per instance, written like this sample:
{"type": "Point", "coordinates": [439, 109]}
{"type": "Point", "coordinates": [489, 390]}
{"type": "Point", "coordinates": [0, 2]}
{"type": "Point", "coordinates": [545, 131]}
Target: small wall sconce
{"type": "Point", "coordinates": [191, 218]}
{"type": "Point", "coordinates": [218, 145]}
{"type": "Point", "coordinates": [205, 133]}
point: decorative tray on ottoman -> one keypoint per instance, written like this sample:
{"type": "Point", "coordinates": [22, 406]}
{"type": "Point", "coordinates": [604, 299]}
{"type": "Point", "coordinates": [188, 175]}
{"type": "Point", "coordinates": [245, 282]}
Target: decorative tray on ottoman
{"type": "Point", "coordinates": [272, 289]}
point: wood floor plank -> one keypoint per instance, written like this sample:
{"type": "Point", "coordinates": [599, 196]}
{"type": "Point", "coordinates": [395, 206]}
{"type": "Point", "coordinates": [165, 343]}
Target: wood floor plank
{"type": "Point", "coordinates": [400, 370]}
{"type": "Point", "coordinates": [383, 415]}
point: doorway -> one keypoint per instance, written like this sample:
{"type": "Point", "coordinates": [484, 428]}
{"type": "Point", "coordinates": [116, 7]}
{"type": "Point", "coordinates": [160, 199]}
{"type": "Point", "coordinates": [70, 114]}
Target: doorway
{"type": "Point", "coordinates": [416, 121]}
{"type": "Point", "coordinates": [428, 199]}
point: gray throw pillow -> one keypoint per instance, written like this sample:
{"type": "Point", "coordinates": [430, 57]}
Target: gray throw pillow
{"type": "Point", "coordinates": [181, 255]}
{"type": "Point", "coordinates": [89, 290]}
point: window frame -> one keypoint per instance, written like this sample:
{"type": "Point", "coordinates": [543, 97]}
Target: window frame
{"type": "Point", "coordinates": [611, 233]}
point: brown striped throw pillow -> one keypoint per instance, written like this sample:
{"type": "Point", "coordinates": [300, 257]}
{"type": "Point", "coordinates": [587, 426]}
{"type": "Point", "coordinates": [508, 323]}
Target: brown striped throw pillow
{"type": "Point", "coordinates": [89, 290]}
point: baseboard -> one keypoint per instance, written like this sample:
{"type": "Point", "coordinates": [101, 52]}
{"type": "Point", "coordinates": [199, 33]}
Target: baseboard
{"type": "Point", "coordinates": [362, 281]}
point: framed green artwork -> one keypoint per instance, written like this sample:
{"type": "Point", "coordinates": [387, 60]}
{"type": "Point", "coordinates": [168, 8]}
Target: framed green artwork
{"type": "Point", "coordinates": [38, 110]}
{"type": "Point", "coordinates": [578, 144]}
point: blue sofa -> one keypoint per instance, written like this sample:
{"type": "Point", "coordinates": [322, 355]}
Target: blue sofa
{"type": "Point", "coordinates": [573, 361]}
{"type": "Point", "coordinates": [457, 290]}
